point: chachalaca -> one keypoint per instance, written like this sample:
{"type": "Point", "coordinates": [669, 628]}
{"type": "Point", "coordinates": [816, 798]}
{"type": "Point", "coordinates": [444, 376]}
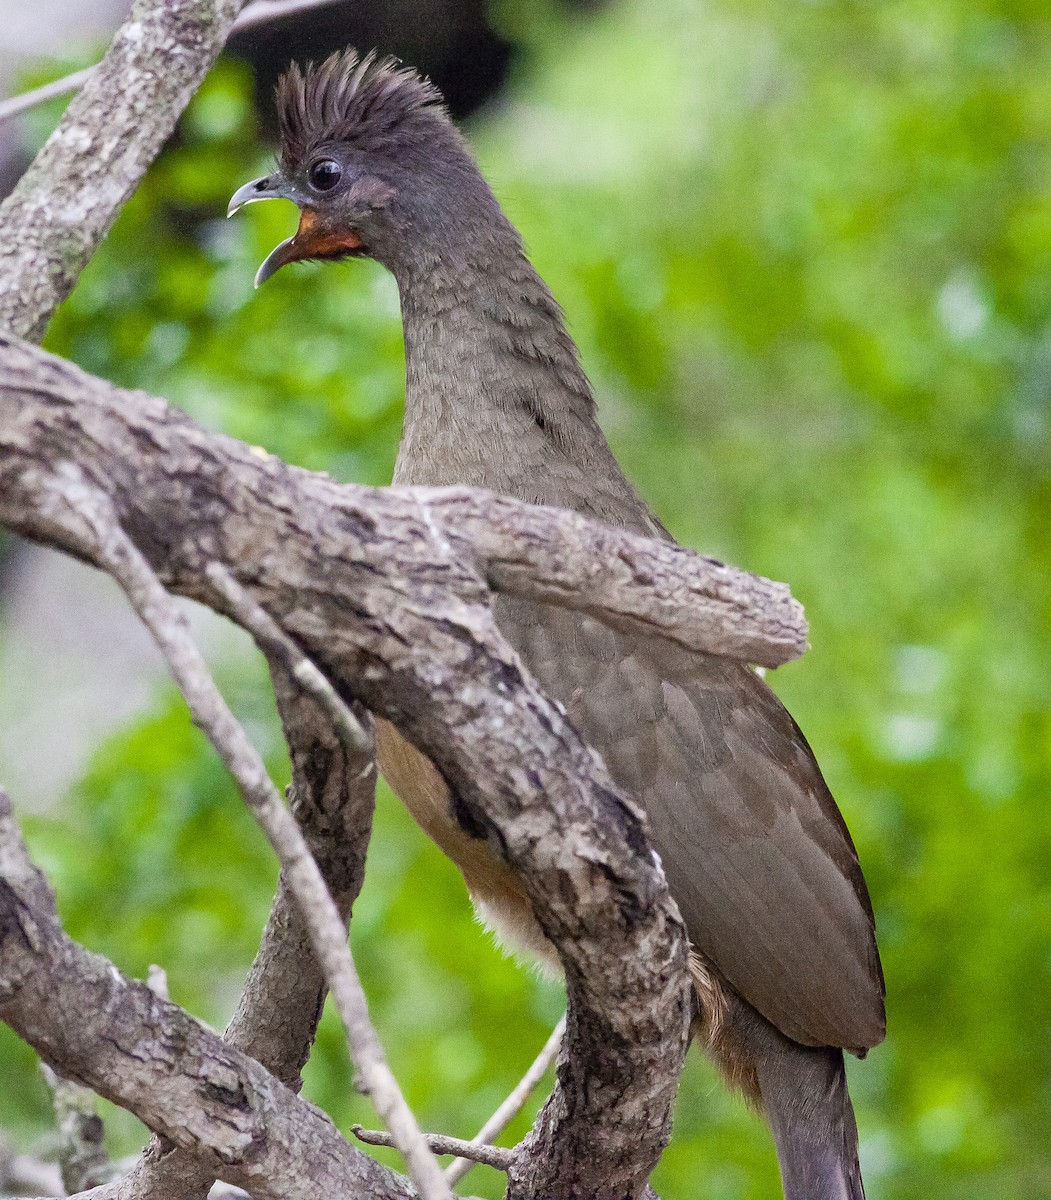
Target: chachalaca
{"type": "Point", "coordinates": [756, 853]}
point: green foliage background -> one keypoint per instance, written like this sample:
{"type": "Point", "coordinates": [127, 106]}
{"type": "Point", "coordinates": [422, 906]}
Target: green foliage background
{"type": "Point", "coordinates": [806, 250]}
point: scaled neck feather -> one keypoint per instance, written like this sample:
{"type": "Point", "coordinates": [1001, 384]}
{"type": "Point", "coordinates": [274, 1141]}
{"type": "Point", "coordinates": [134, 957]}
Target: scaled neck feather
{"type": "Point", "coordinates": [495, 394]}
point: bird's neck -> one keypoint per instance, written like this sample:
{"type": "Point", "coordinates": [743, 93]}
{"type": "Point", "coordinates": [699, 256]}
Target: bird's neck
{"type": "Point", "coordinates": [495, 394]}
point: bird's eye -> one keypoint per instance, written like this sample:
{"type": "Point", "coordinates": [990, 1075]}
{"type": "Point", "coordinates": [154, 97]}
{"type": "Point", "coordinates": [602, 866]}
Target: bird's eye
{"type": "Point", "coordinates": [324, 175]}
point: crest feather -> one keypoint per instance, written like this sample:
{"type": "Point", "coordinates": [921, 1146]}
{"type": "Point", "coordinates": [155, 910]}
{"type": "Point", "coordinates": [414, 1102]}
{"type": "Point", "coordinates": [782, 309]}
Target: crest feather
{"type": "Point", "coordinates": [367, 101]}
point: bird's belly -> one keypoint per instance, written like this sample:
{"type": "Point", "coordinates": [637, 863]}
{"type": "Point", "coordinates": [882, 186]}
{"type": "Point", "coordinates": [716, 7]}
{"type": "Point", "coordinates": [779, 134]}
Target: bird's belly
{"type": "Point", "coordinates": [499, 900]}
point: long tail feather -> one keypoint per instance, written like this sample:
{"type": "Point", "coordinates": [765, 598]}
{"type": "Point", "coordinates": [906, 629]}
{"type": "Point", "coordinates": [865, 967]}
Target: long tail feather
{"type": "Point", "coordinates": [804, 1095]}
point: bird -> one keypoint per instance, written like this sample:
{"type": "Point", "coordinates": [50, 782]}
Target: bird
{"type": "Point", "coordinates": [758, 858]}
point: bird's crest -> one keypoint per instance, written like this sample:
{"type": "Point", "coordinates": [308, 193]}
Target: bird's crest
{"type": "Point", "coordinates": [349, 98]}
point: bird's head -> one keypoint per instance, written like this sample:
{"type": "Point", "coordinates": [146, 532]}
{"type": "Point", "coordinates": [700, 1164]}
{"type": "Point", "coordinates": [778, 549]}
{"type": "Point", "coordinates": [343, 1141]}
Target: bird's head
{"type": "Point", "coordinates": [369, 156]}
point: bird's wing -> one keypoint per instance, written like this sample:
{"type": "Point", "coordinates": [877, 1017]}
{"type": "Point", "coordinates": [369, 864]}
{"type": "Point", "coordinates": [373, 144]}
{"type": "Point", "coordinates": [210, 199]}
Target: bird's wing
{"type": "Point", "coordinates": [756, 853]}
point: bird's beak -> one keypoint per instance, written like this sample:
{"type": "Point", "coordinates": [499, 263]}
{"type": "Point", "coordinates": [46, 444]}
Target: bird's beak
{"type": "Point", "coordinates": [270, 187]}
{"type": "Point", "coordinates": [311, 240]}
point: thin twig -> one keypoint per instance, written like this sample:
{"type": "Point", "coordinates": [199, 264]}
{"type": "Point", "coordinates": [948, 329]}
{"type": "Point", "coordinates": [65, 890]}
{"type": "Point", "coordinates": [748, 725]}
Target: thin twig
{"type": "Point", "coordinates": [155, 607]}
{"type": "Point", "coordinates": [490, 1156]}
{"type": "Point", "coordinates": [510, 1108]}
{"type": "Point", "coordinates": [47, 91]}
{"type": "Point", "coordinates": [262, 12]}
{"type": "Point", "coordinates": [480, 1148]}
{"type": "Point", "coordinates": [273, 640]}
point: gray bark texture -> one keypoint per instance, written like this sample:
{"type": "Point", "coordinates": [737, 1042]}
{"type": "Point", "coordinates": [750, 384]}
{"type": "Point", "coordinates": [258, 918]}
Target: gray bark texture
{"type": "Point", "coordinates": [112, 547]}
{"type": "Point", "coordinates": [65, 203]}
{"type": "Point", "coordinates": [115, 1036]}
{"type": "Point", "coordinates": [388, 592]}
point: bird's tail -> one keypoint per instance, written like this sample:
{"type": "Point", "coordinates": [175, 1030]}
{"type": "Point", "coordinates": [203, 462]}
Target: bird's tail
{"type": "Point", "coordinates": [804, 1095]}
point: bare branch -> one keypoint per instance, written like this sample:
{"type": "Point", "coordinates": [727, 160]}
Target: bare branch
{"type": "Point", "coordinates": [72, 82]}
{"type": "Point", "coordinates": [257, 14]}
{"type": "Point", "coordinates": [63, 205]}
{"type": "Point", "coordinates": [473, 538]}
{"type": "Point", "coordinates": [271, 638]}
{"type": "Point", "coordinates": [115, 551]}
{"type": "Point", "coordinates": [490, 1156]}
{"type": "Point", "coordinates": [262, 12]}
{"type": "Point", "coordinates": [332, 798]}
{"type": "Point", "coordinates": [510, 1108]}
{"type": "Point", "coordinates": [372, 588]}
{"type": "Point", "coordinates": [115, 1036]}
{"type": "Point", "coordinates": [637, 584]}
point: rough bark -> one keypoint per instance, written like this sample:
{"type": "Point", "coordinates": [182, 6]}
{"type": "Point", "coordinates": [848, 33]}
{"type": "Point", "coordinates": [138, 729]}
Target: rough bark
{"type": "Point", "coordinates": [374, 588]}
{"type": "Point", "coordinates": [63, 206]}
{"type": "Point", "coordinates": [464, 540]}
{"type": "Point", "coordinates": [332, 796]}
{"type": "Point", "coordinates": [117, 1037]}
{"type": "Point", "coordinates": [109, 544]}
{"type": "Point", "coordinates": [256, 14]}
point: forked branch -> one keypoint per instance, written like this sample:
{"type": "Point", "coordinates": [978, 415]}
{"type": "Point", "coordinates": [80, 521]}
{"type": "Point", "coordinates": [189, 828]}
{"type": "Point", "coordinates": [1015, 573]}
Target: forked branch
{"type": "Point", "coordinates": [373, 587]}
{"type": "Point", "coordinates": [147, 1055]}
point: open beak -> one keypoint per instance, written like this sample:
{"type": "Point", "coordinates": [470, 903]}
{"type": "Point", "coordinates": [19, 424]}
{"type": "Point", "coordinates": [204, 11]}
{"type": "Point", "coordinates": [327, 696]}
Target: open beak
{"type": "Point", "coordinates": [313, 239]}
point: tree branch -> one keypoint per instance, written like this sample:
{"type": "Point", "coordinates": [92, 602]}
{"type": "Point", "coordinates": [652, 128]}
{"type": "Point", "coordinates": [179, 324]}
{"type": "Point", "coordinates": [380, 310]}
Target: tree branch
{"type": "Point", "coordinates": [285, 656]}
{"type": "Point", "coordinates": [332, 796]}
{"type": "Point", "coordinates": [636, 584]}
{"type": "Point", "coordinates": [113, 549]}
{"type": "Point", "coordinates": [440, 1143]}
{"type": "Point", "coordinates": [256, 14]}
{"type": "Point", "coordinates": [373, 588]}
{"type": "Point", "coordinates": [66, 201]}
{"type": "Point", "coordinates": [82, 1153]}
{"type": "Point", "coordinates": [510, 1107]}
{"type": "Point", "coordinates": [457, 538]}
{"type": "Point", "coordinates": [24, 101]}
{"type": "Point", "coordinates": [117, 1037]}
{"type": "Point", "coordinates": [262, 12]}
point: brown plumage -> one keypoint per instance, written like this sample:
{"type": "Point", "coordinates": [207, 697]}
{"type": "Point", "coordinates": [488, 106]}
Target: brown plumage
{"type": "Point", "coordinates": [756, 853]}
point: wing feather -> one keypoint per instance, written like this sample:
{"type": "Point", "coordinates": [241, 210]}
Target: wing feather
{"type": "Point", "coordinates": [756, 852]}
